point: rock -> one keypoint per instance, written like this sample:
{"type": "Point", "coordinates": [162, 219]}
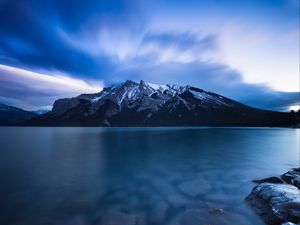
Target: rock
{"type": "Point", "coordinates": [220, 196]}
{"type": "Point", "coordinates": [274, 180]}
{"type": "Point", "coordinates": [296, 182]}
{"type": "Point", "coordinates": [290, 175]}
{"type": "Point", "coordinates": [277, 203]}
{"type": "Point", "coordinates": [177, 200]}
{"type": "Point", "coordinates": [77, 220]}
{"type": "Point", "coordinates": [119, 218]}
{"type": "Point", "coordinates": [159, 212]}
{"type": "Point", "coordinates": [194, 188]}
{"type": "Point", "coordinates": [203, 217]}
{"type": "Point", "coordinates": [163, 187]}
{"type": "Point", "coordinates": [216, 211]}
{"type": "Point", "coordinates": [106, 122]}
{"type": "Point", "coordinates": [297, 170]}
{"type": "Point", "coordinates": [289, 211]}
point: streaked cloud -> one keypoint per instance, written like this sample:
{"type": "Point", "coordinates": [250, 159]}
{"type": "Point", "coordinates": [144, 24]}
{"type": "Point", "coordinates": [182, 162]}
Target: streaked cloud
{"type": "Point", "coordinates": [29, 89]}
{"type": "Point", "coordinates": [212, 76]}
{"type": "Point", "coordinates": [183, 47]}
{"type": "Point", "coordinates": [219, 46]}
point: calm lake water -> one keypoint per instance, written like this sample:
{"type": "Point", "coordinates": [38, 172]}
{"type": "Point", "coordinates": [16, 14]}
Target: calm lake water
{"type": "Point", "coordinates": [112, 176]}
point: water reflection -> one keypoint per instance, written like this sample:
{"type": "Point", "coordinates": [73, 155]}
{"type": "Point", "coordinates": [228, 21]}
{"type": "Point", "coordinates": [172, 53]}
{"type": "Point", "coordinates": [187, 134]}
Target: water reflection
{"type": "Point", "coordinates": [137, 175]}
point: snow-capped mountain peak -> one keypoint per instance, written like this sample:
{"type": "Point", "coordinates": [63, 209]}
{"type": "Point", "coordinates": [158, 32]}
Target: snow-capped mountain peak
{"type": "Point", "coordinates": [148, 104]}
{"type": "Point", "coordinates": [145, 96]}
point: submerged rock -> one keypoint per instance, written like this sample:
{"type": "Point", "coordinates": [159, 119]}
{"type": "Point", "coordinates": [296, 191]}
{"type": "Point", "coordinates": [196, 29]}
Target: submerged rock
{"type": "Point", "coordinates": [177, 200]}
{"type": "Point", "coordinates": [195, 188]}
{"type": "Point", "coordinates": [277, 199]}
{"type": "Point", "coordinates": [216, 211]}
{"type": "Point", "coordinates": [204, 217]}
{"type": "Point", "coordinates": [158, 213]}
{"type": "Point", "coordinates": [115, 217]}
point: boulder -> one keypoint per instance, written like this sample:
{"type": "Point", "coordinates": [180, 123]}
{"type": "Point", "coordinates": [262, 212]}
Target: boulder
{"type": "Point", "coordinates": [291, 175]}
{"type": "Point", "coordinates": [296, 182]}
{"type": "Point", "coordinates": [275, 201]}
{"type": "Point", "coordinates": [274, 180]}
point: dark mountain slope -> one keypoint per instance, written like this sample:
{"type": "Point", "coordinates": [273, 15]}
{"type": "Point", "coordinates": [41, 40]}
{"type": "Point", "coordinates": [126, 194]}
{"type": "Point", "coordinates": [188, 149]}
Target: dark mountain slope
{"type": "Point", "coordinates": [147, 104]}
{"type": "Point", "coordinates": [10, 115]}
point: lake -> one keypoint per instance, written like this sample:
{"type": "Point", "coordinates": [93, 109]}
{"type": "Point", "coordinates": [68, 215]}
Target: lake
{"type": "Point", "coordinates": [148, 176]}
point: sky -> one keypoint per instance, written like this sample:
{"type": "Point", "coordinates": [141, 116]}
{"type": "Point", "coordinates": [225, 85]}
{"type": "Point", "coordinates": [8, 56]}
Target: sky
{"type": "Point", "coordinates": [245, 50]}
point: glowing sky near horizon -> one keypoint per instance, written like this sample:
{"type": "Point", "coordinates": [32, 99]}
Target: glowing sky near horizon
{"type": "Point", "coordinates": [246, 50]}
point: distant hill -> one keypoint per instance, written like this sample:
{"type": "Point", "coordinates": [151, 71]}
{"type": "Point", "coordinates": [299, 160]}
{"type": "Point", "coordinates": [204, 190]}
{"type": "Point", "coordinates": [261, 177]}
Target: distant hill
{"type": "Point", "coordinates": [10, 115]}
{"type": "Point", "coordinates": [41, 111]}
{"type": "Point", "coordinates": [148, 104]}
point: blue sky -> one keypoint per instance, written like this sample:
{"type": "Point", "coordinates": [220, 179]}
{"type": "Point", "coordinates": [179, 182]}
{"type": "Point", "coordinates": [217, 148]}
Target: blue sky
{"type": "Point", "coordinates": [245, 50]}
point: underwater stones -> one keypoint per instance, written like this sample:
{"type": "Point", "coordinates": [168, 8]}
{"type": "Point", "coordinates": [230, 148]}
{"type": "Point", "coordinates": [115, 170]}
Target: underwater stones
{"type": "Point", "coordinates": [202, 216]}
{"type": "Point", "coordinates": [194, 188]}
{"type": "Point", "coordinates": [158, 213]}
{"type": "Point", "coordinates": [191, 216]}
{"type": "Point", "coordinates": [277, 203]}
{"type": "Point", "coordinates": [216, 211]}
{"type": "Point", "coordinates": [220, 197]}
{"type": "Point", "coordinates": [177, 200]}
{"type": "Point", "coordinates": [115, 217]}
{"type": "Point", "coordinates": [77, 220]}
{"type": "Point", "coordinates": [162, 186]}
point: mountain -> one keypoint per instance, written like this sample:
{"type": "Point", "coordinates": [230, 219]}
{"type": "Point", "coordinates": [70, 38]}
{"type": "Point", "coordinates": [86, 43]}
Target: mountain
{"type": "Point", "coordinates": [10, 115]}
{"type": "Point", "coordinates": [41, 111]}
{"type": "Point", "coordinates": [148, 104]}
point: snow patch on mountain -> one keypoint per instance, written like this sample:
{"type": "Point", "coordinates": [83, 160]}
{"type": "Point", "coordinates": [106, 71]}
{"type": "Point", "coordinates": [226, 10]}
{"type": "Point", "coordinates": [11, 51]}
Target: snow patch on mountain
{"type": "Point", "coordinates": [145, 96]}
{"type": "Point", "coordinates": [205, 96]}
{"type": "Point", "coordinates": [157, 87]}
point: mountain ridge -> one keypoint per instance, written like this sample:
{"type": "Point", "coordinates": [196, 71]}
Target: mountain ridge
{"type": "Point", "coordinates": [148, 104]}
{"type": "Point", "coordinates": [10, 115]}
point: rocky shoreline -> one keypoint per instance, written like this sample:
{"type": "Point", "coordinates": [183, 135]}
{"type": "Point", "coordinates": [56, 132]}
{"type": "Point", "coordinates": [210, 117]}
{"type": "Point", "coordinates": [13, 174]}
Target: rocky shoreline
{"type": "Point", "coordinates": [277, 199]}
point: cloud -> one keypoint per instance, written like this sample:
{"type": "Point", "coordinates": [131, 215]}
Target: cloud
{"type": "Point", "coordinates": [33, 38]}
{"type": "Point", "coordinates": [181, 40]}
{"type": "Point", "coordinates": [31, 90]}
{"type": "Point", "coordinates": [292, 35]}
{"type": "Point", "coordinates": [213, 77]}
{"type": "Point", "coordinates": [177, 46]}
{"type": "Point", "coordinates": [68, 43]}
{"type": "Point", "coordinates": [137, 45]}
{"type": "Point", "coordinates": [105, 42]}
